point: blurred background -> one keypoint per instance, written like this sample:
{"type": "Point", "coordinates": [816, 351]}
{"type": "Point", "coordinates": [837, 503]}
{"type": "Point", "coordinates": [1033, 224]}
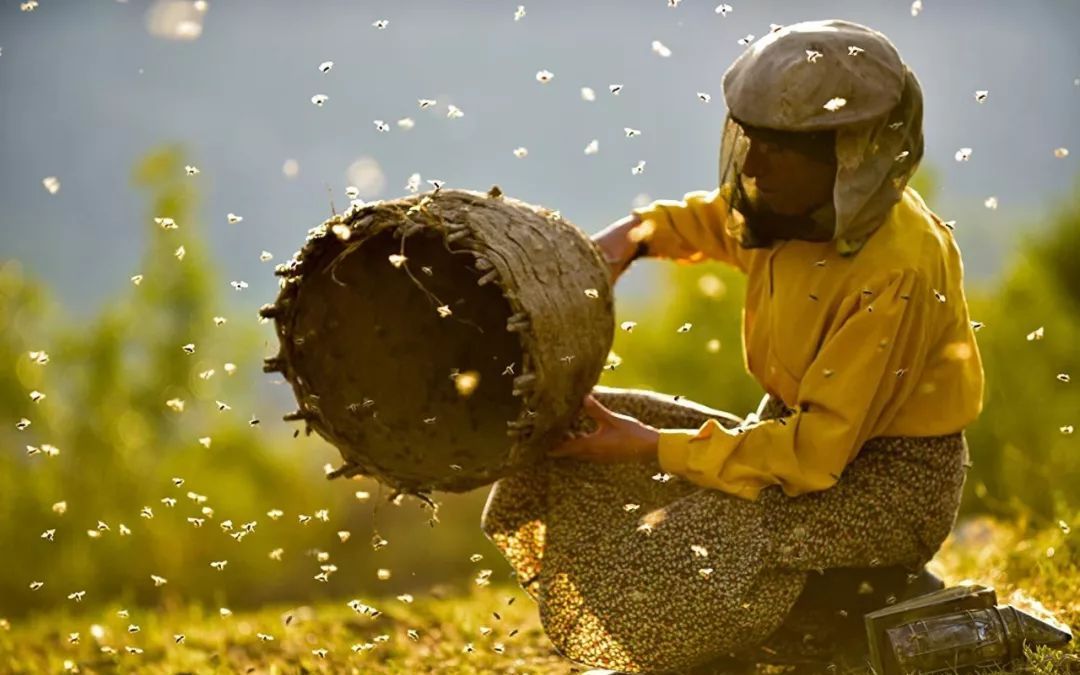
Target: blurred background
{"type": "Point", "coordinates": [124, 456]}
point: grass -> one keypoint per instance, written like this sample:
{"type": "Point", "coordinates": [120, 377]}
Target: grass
{"type": "Point", "coordinates": [455, 633]}
{"type": "Point", "coordinates": [488, 629]}
{"type": "Point", "coordinates": [1036, 569]}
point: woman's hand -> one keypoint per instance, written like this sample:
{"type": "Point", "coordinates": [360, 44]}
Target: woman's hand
{"type": "Point", "coordinates": [617, 246]}
{"type": "Point", "coordinates": [619, 438]}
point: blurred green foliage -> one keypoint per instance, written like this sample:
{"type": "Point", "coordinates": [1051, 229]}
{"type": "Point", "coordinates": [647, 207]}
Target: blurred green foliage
{"type": "Point", "coordinates": [107, 386]}
{"type": "Point", "coordinates": [1025, 448]}
{"type": "Point", "coordinates": [120, 444]}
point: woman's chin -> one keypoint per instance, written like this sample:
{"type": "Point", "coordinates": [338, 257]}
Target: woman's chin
{"type": "Point", "coordinates": [773, 202]}
{"type": "Point", "coordinates": [782, 207]}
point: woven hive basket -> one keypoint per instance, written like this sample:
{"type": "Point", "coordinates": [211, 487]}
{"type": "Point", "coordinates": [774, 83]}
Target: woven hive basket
{"type": "Point", "coordinates": [441, 341]}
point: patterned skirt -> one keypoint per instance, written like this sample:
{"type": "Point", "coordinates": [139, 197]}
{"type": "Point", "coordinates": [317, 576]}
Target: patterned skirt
{"type": "Point", "coordinates": [640, 571]}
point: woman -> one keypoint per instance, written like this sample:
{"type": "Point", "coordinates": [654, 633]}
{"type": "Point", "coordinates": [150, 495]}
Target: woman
{"type": "Point", "coordinates": [827, 501]}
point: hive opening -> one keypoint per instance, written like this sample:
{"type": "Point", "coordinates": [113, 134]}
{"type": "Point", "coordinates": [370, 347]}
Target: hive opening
{"type": "Point", "coordinates": [445, 340]}
{"type": "Point", "coordinates": [419, 391]}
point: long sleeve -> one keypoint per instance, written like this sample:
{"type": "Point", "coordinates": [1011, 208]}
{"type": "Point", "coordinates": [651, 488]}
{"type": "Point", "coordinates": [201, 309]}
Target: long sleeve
{"type": "Point", "coordinates": [867, 366]}
{"type": "Point", "coordinates": [691, 230]}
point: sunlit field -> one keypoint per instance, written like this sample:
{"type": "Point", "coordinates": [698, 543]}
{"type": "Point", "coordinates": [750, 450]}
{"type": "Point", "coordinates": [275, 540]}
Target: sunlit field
{"type": "Point", "coordinates": [165, 498]}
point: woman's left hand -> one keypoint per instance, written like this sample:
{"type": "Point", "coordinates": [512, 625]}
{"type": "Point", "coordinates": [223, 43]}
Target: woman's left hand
{"type": "Point", "coordinates": [619, 438]}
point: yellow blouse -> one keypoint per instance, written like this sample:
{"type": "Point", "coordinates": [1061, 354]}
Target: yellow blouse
{"type": "Point", "coordinates": [875, 344]}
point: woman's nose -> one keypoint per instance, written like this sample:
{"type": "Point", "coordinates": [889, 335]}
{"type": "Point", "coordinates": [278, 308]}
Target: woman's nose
{"type": "Point", "coordinates": [755, 163]}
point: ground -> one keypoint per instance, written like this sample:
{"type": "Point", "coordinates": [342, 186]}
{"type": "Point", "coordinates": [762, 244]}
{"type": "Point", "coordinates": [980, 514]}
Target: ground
{"type": "Point", "coordinates": [489, 629]}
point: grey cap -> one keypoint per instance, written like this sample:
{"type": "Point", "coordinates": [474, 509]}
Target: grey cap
{"type": "Point", "coordinates": [785, 79]}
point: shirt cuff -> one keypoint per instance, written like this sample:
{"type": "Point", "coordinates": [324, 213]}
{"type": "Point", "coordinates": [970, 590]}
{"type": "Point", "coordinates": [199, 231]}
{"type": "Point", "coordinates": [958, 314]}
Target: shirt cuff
{"type": "Point", "coordinates": [686, 453]}
{"type": "Point", "coordinates": [671, 450]}
{"type": "Point", "coordinates": [646, 212]}
{"type": "Point", "coordinates": [660, 236]}
{"type": "Point", "coordinates": [674, 446]}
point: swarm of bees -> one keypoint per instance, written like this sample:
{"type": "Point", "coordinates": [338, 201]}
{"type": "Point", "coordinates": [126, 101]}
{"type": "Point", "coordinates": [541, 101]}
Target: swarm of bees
{"type": "Point", "coordinates": [442, 260]}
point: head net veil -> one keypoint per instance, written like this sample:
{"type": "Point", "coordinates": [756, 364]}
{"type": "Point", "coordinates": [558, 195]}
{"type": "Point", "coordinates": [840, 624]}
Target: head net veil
{"type": "Point", "coordinates": [794, 80]}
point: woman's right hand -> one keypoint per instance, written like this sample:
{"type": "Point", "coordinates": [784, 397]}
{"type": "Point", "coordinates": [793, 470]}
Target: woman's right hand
{"type": "Point", "coordinates": [616, 245]}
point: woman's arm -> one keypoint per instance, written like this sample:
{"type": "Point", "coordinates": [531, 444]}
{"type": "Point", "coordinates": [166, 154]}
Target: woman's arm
{"type": "Point", "coordinates": [688, 231]}
{"type": "Point", "coordinates": [865, 370]}
{"type": "Point", "coordinates": [691, 230]}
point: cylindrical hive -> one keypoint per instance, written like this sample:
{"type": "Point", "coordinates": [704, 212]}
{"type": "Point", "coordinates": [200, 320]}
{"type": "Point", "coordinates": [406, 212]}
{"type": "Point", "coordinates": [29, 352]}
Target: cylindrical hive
{"type": "Point", "coordinates": [440, 341]}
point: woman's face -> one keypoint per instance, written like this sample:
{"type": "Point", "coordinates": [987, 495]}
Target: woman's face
{"type": "Point", "coordinates": [794, 173]}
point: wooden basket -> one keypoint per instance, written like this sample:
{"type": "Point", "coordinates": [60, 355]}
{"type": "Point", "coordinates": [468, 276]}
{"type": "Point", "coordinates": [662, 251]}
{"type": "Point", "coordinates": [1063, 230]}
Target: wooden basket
{"type": "Point", "coordinates": [442, 340]}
